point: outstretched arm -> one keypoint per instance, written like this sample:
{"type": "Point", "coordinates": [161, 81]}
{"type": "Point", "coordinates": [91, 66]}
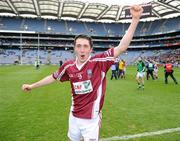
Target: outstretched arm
{"type": "Point", "coordinates": [136, 12]}
{"type": "Point", "coordinates": [45, 81]}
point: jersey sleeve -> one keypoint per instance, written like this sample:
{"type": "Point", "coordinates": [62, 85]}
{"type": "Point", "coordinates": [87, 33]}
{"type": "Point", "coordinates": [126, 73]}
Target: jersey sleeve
{"type": "Point", "coordinates": [61, 74]}
{"type": "Point", "coordinates": [106, 59]}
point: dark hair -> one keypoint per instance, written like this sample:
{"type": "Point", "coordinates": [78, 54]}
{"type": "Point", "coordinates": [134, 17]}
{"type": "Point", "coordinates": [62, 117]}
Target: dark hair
{"type": "Point", "coordinates": [83, 36]}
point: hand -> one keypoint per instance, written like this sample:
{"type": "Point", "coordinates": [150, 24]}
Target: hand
{"type": "Point", "coordinates": [136, 11]}
{"type": "Point", "coordinates": [26, 87]}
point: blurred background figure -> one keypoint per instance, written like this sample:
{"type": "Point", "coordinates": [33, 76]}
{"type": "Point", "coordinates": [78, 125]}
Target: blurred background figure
{"type": "Point", "coordinates": [113, 69]}
{"type": "Point", "coordinates": [140, 73]}
{"type": "Point", "coordinates": [169, 71]}
{"type": "Point", "coordinates": [121, 69]}
{"type": "Point", "coordinates": [150, 69]}
{"type": "Point", "coordinates": [36, 64]}
{"type": "Point", "coordinates": [155, 72]}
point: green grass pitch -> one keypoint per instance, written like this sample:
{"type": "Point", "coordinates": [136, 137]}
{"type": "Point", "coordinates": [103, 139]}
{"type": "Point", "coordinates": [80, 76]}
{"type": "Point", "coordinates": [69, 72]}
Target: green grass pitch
{"type": "Point", "coordinates": [42, 114]}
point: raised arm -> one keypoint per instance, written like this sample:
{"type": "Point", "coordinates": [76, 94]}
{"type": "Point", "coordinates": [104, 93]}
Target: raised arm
{"type": "Point", "coordinates": [45, 81]}
{"type": "Point", "coordinates": [136, 12]}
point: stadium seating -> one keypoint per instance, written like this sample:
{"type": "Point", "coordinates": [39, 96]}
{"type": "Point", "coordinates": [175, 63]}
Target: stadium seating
{"type": "Point", "coordinates": [59, 34]}
{"type": "Point", "coordinates": [92, 28]}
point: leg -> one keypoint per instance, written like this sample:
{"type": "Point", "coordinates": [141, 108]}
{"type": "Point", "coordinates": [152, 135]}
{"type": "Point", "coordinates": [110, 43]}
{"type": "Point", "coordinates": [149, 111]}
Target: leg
{"type": "Point", "coordinates": [112, 75]}
{"type": "Point", "coordinates": [91, 133]}
{"type": "Point", "coordinates": [166, 76]}
{"type": "Point", "coordinates": [147, 75]}
{"type": "Point", "coordinates": [119, 76]}
{"type": "Point", "coordinates": [138, 79]}
{"type": "Point", "coordinates": [114, 72]}
{"type": "Point", "coordinates": [151, 73]}
{"type": "Point", "coordinates": [142, 82]}
{"type": "Point", "coordinates": [74, 133]}
{"type": "Point", "coordinates": [174, 79]}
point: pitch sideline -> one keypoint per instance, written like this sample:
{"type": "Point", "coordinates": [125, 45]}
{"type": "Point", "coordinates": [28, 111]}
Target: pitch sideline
{"type": "Point", "coordinates": [145, 134]}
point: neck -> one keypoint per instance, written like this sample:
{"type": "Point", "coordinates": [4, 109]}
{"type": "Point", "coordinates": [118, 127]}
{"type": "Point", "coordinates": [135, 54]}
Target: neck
{"type": "Point", "coordinates": [80, 63]}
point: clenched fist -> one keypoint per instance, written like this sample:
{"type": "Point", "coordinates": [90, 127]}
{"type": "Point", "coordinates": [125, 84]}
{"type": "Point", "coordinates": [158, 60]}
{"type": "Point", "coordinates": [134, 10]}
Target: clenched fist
{"type": "Point", "coordinates": [136, 11]}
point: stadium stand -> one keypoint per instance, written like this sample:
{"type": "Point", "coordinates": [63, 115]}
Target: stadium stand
{"type": "Point", "coordinates": [24, 39]}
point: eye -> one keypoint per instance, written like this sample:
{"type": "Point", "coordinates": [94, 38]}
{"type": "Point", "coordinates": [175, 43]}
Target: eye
{"type": "Point", "coordinates": [78, 45]}
{"type": "Point", "coordinates": [86, 46]}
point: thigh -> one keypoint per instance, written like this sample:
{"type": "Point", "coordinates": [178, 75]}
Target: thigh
{"type": "Point", "coordinates": [91, 132]}
{"type": "Point", "coordinates": [167, 74]}
{"type": "Point", "coordinates": [74, 132]}
{"type": "Point", "coordinates": [140, 75]}
{"type": "Point", "coordinates": [137, 75]}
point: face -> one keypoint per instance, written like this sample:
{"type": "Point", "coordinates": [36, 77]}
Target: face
{"type": "Point", "coordinates": [82, 50]}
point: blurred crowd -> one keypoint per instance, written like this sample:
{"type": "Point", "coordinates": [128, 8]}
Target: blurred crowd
{"type": "Point", "coordinates": [173, 56]}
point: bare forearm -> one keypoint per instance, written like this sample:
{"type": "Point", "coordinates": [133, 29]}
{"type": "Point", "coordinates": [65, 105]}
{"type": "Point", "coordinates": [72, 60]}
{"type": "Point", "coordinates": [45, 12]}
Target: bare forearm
{"type": "Point", "coordinates": [123, 45]}
{"type": "Point", "coordinates": [136, 12]}
{"type": "Point", "coordinates": [47, 80]}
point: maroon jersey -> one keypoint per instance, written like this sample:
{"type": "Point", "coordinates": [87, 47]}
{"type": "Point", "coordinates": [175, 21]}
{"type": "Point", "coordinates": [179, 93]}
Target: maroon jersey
{"type": "Point", "coordinates": [88, 83]}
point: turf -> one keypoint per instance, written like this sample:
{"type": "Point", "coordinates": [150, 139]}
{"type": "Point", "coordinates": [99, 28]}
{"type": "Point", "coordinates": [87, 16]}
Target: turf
{"type": "Point", "coordinates": [42, 115]}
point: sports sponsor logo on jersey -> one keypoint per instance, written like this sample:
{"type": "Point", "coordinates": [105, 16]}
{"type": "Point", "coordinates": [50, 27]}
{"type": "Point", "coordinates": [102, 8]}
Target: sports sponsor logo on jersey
{"type": "Point", "coordinates": [83, 87]}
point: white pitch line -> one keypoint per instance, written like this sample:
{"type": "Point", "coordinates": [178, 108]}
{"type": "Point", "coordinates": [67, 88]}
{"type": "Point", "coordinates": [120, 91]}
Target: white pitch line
{"type": "Point", "coordinates": [145, 134]}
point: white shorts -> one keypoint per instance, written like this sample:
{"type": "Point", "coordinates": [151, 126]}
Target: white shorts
{"type": "Point", "coordinates": [87, 129]}
{"type": "Point", "coordinates": [140, 74]}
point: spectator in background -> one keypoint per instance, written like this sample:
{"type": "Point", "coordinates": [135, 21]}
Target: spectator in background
{"type": "Point", "coordinates": [124, 69]}
{"type": "Point", "coordinates": [169, 71]}
{"type": "Point", "coordinates": [140, 73]}
{"type": "Point", "coordinates": [117, 66]}
{"type": "Point", "coordinates": [36, 64]}
{"type": "Point", "coordinates": [121, 67]}
{"type": "Point", "coordinates": [150, 69]}
{"type": "Point", "coordinates": [155, 72]}
{"type": "Point", "coordinates": [60, 62]}
{"type": "Point", "coordinates": [113, 69]}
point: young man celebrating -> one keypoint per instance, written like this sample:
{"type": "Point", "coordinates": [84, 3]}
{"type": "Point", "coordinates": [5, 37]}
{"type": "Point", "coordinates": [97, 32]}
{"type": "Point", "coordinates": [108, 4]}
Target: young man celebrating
{"type": "Point", "coordinates": [87, 76]}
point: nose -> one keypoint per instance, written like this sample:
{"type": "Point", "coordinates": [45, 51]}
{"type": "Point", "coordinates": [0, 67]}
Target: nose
{"type": "Point", "coordinates": [82, 49]}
